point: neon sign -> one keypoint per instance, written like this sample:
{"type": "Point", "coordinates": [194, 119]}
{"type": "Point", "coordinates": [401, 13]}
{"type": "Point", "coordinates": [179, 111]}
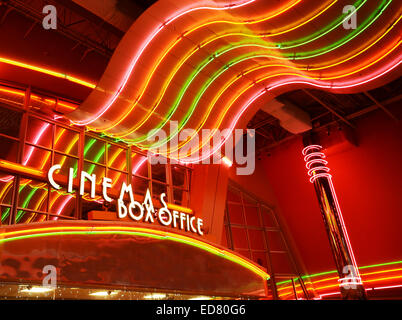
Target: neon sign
{"type": "Point", "coordinates": [137, 211]}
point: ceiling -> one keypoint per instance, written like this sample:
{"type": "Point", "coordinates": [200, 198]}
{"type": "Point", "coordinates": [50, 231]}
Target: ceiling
{"type": "Point", "coordinates": [326, 111]}
{"type": "Point", "coordinates": [82, 44]}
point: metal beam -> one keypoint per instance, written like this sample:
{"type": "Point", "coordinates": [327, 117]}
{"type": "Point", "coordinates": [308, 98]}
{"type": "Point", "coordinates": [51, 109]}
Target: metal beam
{"type": "Point", "coordinates": [36, 16]}
{"type": "Point", "coordinates": [379, 105]}
{"type": "Point", "coordinates": [329, 108]}
{"type": "Point", "coordinates": [265, 136]}
{"type": "Point", "coordinates": [348, 117]}
{"type": "Point", "coordinates": [262, 123]}
{"type": "Point", "coordinates": [374, 107]}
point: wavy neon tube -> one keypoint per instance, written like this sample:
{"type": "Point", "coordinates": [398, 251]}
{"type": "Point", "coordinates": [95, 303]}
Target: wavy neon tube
{"type": "Point", "coordinates": [367, 23]}
{"type": "Point", "coordinates": [319, 34]}
{"type": "Point", "coordinates": [195, 49]}
{"type": "Point", "coordinates": [286, 56]}
{"type": "Point", "coordinates": [81, 82]}
{"type": "Point", "coordinates": [235, 79]}
{"type": "Point", "coordinates": [337, 23]}
{"type": "Point", "coordinates": [365, 66]}
{"type": "Point", "coordinates": [398, 19]}
{"type": "Point", "coordinates": [166, 52]}
{"type": "Point", "coordinates": [286, 83]}
{"type": "Point", "coordinates": [349, 37]}
{"type": "Point", "coordinates": [138, 55]}
{"type": "Point", "coordinates": [274, 65]}
{"type": "Point", "coordinates": [255, 97]}
{"type": "Point", "coordinates": [388, 51]}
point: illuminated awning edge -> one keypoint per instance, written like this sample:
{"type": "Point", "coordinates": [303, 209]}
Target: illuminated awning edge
{"type": "Point", "coordinates": [41, 231]}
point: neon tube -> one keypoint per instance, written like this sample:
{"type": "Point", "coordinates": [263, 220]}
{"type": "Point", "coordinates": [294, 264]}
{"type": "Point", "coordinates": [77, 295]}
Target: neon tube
{"type": "Point", "coordinates": [334, 271]}
{"type": "Point", "coordinates": [367, 65]}
{"type": "Point", "coordinates": [135, 59]}
{"type": "Point", "coordinates": [134, 231]}
{"type": "Point", "coordinates": [286, 83]}
{"type": "Point", "coordinates": [47, 71]}
{"type": "Point", "coordinates": [196, 48]}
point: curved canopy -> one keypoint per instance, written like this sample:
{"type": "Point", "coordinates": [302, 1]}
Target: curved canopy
{"type": "Point", "coordinates": [125, 254]}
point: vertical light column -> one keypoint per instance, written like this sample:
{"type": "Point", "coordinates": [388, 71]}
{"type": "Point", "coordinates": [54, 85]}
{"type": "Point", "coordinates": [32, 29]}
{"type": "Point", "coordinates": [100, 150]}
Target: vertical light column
{"type": "Point", "coordinates": [350, 283]}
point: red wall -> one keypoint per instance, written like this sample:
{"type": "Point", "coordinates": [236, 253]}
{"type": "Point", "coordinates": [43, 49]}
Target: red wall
{"type": "Point", "coordinates": [368, 182]}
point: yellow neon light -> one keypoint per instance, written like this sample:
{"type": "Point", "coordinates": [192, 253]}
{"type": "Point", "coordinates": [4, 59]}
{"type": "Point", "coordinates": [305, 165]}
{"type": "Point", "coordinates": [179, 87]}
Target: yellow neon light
{"type": "Point", "coordinates": [196, 48]}
{"type": "Point", "coordinates": [220, 119]}
{"type": "Point", "coordinates": [270, 65]}
{"type": "Point", "coordinates": [20, 168]}
{"type": "Point", "coordinates": [179, 208]}
{"type": "Point", "coordinates": [167, 235]}
{"type": "Point", "coordinates": [47, 71]}
{"type": "Point", "coordinates": [336, 278]}
{"type": "Point", "coordinates": [16, 92]}
{"type": "Point", "coordinates": [6, 188]}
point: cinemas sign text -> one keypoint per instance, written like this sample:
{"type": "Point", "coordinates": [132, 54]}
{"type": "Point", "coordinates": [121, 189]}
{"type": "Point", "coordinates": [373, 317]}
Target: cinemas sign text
{"type": "Point", "coordinates": [137, 211]}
